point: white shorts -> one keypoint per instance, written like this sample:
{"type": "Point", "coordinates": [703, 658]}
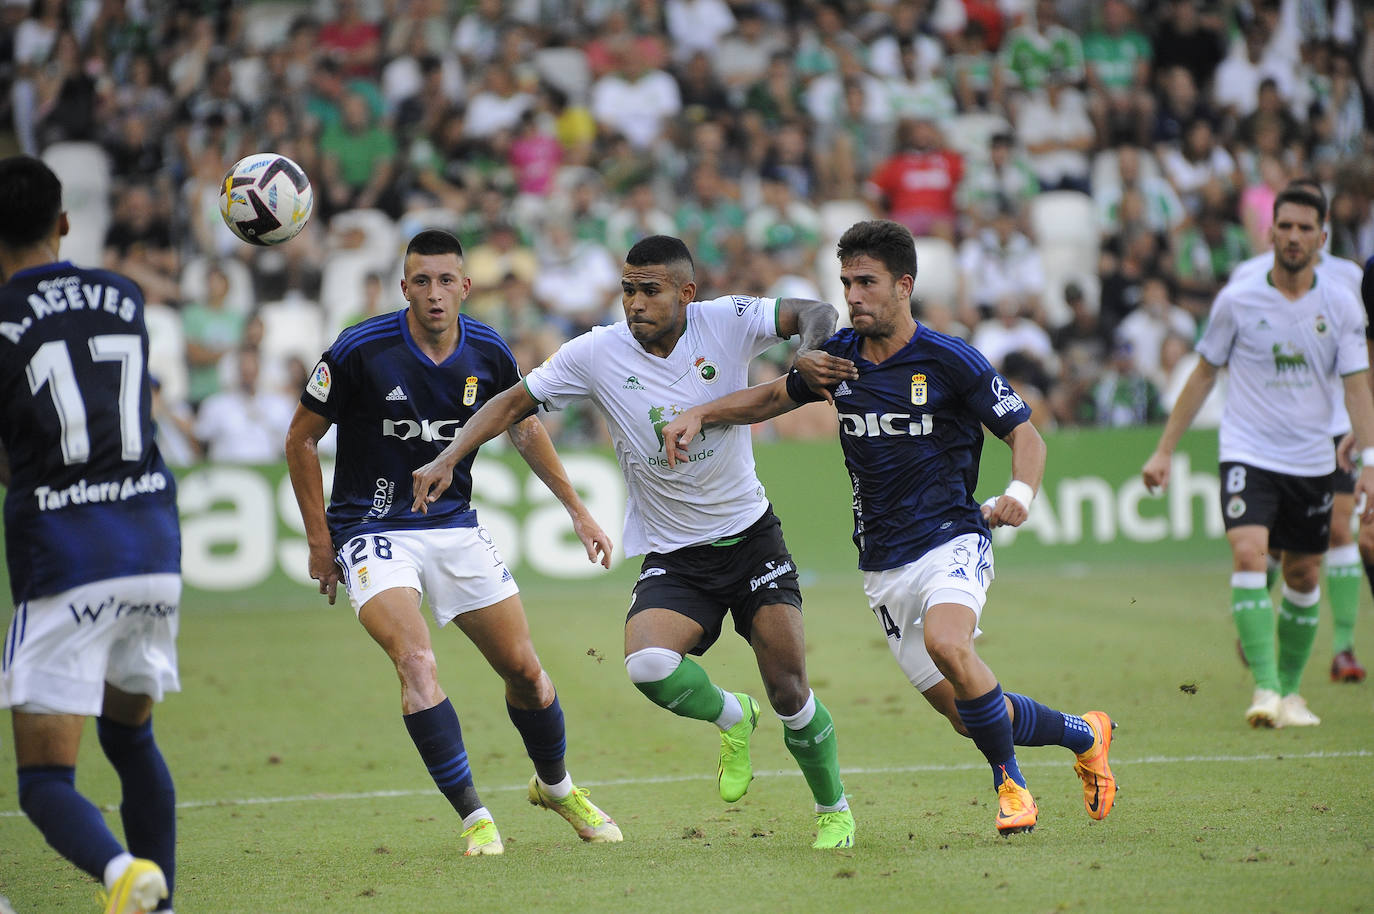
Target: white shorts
{"type": "Point", "coordinates": [61, 650]}
{"type": "Point", "coordinates": [457, 567]}
{"type": "Point", "coordinates": [958, 571]}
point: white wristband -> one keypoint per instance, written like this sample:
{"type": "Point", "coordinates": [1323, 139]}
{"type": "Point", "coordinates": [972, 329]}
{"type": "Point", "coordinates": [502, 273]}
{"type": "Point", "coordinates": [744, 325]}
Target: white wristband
{"type": "Point", "coordinates": [1367, 457]}
{"type": "Point", "coordinates": [1021, 493]}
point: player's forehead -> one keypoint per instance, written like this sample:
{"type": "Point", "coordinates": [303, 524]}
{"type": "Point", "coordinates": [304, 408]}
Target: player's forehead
{"type": "Point", "coordinates": [449, 264]}
{"type": "Point", "coordinates": [656, 274]}
{"type": "Point", "coordinates": [1296, 214]}
{"type": "Point", "coordinates": [858, 265]}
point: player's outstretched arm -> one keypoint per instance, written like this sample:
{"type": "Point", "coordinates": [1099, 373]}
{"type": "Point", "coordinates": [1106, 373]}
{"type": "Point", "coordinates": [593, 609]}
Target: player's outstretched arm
{"type": "Point", "coordinates": [1359, 403]}
{"type": "Point", "coordinates": [496, 415]}
{"type": "Point", "coordinates": [1155, 473]}
{"type": "Point", "coordinates": [307, 480]}
{"type": "Point", "coordinates": [1028, 450]}
{"type": "Point", "coordinates": [814, 322]}
{"type": "Point", "coordinates": [532, 440]}
{"type": "Point", "coordinates": [743, 407]}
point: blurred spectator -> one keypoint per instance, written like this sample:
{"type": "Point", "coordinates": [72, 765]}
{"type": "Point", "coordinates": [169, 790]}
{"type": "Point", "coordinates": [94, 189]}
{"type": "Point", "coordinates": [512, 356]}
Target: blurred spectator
{"type": "Point", "coordinates": [215, 105]}
{"type": "Point", "coordinates": [34, 39]}
{"type": "Point", "coordinates": [639, 216]}
{"type": "Point", "coordinates": [1003, 180]}
{"type": "Point", "coordinates": [1200, 161]}
{"type": "Point", "coordinates": [534, 157]}
{"type": "Point", "coordinates": [711, 221]}
{"type": "Point", "coordinates": [478, 33]}
{"type": "Point", "coordinates": [212, 330]}
{"type": "Point", "coordinates": [1010, 330]}
{"type": "Point", "coordinates": [743, 55]}
{"type": "Point", "coordinates": [1082, 349]}
{"type": "Point", "coordinates": [1162, 209]}
{"type": "Point", "coordinates": [66, 96]}
{"type": "Point", "coordinates": [174, 425]}
{"type": "Point", "coordinates": [913, 91]}
{"type": "Point", "coordinates": [1038, 46]}
{"type": "Point", "coordinates": [697, 26]}
{"type": "Point", "coordinates": [488, 263]}
{"type": "Point", "coordinates": [577, 283]}
{"type": "Point", "coordinates": [1256, 208]}
{"type": "Point", "coordinates": [972, 72]}
{"type": "Point", "coordinates": [1156, 318]}
{"type": "Point", "coordinates": [1205, 254]}
{"type": "Point", "coordinates": [135, 150]}
{"type": "Point", "coordinates": [352, 40]}
{"type": "Point", "coordinates": [784, 226]}
{"type": "Point", "coordinates": [1189, 37]}
{"type": "Point", "coordinates": [1054, 126]}
{"type": "Point", "coordinates": [359, 160]}
{"type": "Point", "coordinates": [615, 32]}
{"type": "Point", "coordinates": [917, 185]}
{"type": "Point", "coordinates": [1028, 377]}
{"type": "Point", "coordinates": [635, 100]}
{"type": "Point", "coordinates": [1270, 113]}
{"type": "Point", "coordinates": [1123, 396]}
{"type": "Point", "coordinates": [775, 98]}
{"type": "Point", "coordinates": [1180, 104]}
{"type": "Point", "coordinates": [999, 264]}
{"type": "Point", "coordinates": [789, 158]}
{"type": "Point", "coordinates": [245, 424]}
{"type": "Point", "coordinates": [1236, 89]}
{"type": "Point", "coordinates": [702, 95]}
{"type": "Point", "coordinates": [848, 149]}
{"type": "Point", "coordinates": [498, 106]}
{"type": "Point", "coordinates": [139, 244]}
{"type": "Point", "coordinates": [1117, 58]}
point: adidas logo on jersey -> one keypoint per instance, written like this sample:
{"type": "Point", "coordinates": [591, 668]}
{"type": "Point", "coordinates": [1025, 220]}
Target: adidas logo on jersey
{"type": "Point", "coordinates": [397, 394]}
{"type": "Point", "coordinates": [843, 390]}
{"type": "Point", "coordinates": [505, 575]}
{"type": "Point", "coordinates": [958, 573]}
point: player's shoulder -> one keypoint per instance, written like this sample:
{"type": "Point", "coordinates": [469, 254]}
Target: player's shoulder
{"type": "Point", "coordinates": [736, 305]}
{"type": "Point", "coordinates": [951, 349]}
{"type": "Point", "coordinates": [482, 335]}
{"type": "Point", "coordinates": [1348, 272]}
{"type": "Point", "coordinates": [383, 328]}
{"type": "Point", "coordinates": [1251, 267]}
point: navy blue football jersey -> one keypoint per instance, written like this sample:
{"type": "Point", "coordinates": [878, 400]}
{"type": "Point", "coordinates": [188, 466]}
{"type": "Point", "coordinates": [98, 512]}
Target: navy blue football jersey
{"type": "Point", "coordinates": [912, 433]}
{"type": "Point", "coordinates": [395, 411]}
{"type": "Point", "coordinates": [89, 497]}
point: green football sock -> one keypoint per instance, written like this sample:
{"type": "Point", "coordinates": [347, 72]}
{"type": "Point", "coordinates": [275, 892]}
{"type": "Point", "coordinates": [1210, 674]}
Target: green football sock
{"type": "Point", "coordinates": [1297, 632]}
{"type": "Point", "coordinates": [1343, 592]}
{"type": "Point", "coordinates": [687, 692]}
{"type": "Point", "coordinates": [818, 755]}
{"type": "Point", "coordinates": [1253, 612]}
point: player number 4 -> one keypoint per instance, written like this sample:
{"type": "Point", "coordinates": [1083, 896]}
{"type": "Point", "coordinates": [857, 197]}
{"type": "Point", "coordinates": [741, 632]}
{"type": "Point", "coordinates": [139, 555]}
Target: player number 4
{"type": "Point", "coordinates": [51, 365]}
{"type": "Point", "coordinates": [888, 625]}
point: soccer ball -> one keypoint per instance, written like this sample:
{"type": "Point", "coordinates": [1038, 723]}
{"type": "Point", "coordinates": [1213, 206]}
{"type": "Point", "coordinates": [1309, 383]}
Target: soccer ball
{"type": "Point", "coordinates": [266, 199]}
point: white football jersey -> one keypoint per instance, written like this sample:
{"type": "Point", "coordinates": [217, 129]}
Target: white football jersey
{"type": "Point", "coordinates": [1337, 270]}
{"type": "Point", "coordinates": [716, 492]}
{"type": "Point", "coordinates": [1286, 361]}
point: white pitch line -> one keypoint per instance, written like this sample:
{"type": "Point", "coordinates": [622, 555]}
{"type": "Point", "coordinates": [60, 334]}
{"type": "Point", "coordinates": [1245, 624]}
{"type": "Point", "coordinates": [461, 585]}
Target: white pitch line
{"type": "Point", "coordinates": [793, 773]}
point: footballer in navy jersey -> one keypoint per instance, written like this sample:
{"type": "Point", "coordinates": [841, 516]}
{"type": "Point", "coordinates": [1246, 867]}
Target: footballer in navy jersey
{"type": "Point", "coordinates": [93, 546]}
{"type": "Point", "coordinates": [398, 387]}
{"type": "Point", "coordinates": [90, 497]}
{"type": "Point", "coordinates": [911, 421]}
{"type": "Point", "coordinates": [912, 433]}
{"type": "Point", "coordinates": [395, 409]}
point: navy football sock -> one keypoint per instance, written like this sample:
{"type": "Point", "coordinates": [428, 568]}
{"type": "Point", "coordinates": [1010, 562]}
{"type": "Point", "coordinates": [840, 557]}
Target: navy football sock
{"type": "Point", "coordinates": [986, 719]}
{"type": "Point", "coordinates": [1034, 724]}
{"type": "Point", "coordinates": [148, 802]}
{"type": "Point", "coordinates": [439, 738]}
{"type": "Point", "coordinates": [545, 739]}
{"type": "Point", "coordinates": [69, 821]}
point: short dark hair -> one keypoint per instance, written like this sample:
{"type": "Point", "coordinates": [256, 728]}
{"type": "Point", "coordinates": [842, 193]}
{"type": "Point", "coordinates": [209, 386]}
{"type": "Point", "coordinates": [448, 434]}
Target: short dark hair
{"type": "Point", "coordinates": [1301, 196]}
{"type": "Point", "coordinates": [30, 198]}
{"type": "Point", "coordinates": [1311, 184]}
{"type": "Point", "coordinates": [661, 249]}
{"type": "Point", "coordinates": [888, 242]}
{"type": "Point", "coordinates": [434, 241]}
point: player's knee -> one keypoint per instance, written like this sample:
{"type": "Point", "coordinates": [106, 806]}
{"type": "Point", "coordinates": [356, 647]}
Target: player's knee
{"type": "Point", "coordinates": [417, 670]}
{"type": "Point", "coordinates": [951, 652]}
{"type": "Point", "coordinates": [787, 693]}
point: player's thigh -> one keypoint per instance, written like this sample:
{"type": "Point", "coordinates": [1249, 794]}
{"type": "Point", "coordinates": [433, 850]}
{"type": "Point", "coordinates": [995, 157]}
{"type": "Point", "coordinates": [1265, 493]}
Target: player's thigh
{"type": "Point", "coordinates": [1250, 498]}
{"type": "Point", "coordinates": [501, 633]}
{"type": "Point", "coordinates": [1303, 523]}
{"type": "Point", "coordinates": [392, 617]}
{"type": "Point", "coordinates": [127, 708]}
{"type": "Point", "coordinates": [957, 572]}
{"type": "Point", "coordinates": [670, 606]}
{"type": "Point", "coordinates": [60, 650]}
{"type": "Point", "coordinates": [1342, 506]}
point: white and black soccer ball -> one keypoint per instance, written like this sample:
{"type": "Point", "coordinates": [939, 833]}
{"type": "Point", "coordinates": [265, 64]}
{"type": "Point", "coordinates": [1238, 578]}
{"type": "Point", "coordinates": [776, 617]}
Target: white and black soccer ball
{"type": "Point", "coordinates": [266, 198]}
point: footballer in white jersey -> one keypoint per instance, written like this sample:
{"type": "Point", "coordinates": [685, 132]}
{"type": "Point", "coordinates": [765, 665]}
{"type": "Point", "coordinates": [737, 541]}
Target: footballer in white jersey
{"type": "Point", "coordinates": [713, 547]}
{"type": "Point", "coordinates": [1291, 338]}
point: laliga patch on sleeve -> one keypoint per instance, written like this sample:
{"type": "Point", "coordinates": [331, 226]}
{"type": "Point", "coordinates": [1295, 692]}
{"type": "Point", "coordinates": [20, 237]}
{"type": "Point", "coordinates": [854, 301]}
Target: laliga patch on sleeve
{"type": "Point", "coordinates": [318, 385]}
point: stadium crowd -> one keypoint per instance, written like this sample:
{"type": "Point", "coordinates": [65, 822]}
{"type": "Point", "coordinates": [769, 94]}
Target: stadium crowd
{"type": "Point", "coordinates": [1081, 176]}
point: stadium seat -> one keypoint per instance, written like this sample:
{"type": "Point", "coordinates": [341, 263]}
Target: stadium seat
{"type": "Point", "coordinates": [292, 327]}
{"type": "Point", "coordinates": [1063, 264]}
{"type": "Point", "coordinates": [1064, 217]}
{"type": "Point", "coordinates": [839, 215]}
{"type": "Point", "coordinates": [937, 271]}
{"type": "Point", "coordinates": [970, 134]}
{"type": "Point", "coordinates": [166, 349]}
{"type": "Point", "coordinates": [240, 297]}
{"type": "Point", "coordinates": [84, 169]}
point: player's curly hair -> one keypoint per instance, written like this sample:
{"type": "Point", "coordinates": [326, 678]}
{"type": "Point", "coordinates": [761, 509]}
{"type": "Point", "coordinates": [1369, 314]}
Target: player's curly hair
{"type": "Point", "coordinates": [889, 243]}
{"type": "Point", "coordinates": [30, 198]}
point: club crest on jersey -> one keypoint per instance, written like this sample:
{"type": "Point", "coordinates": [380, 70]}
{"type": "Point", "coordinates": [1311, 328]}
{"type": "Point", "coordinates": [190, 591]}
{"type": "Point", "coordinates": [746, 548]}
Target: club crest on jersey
{"type": "Point", "coordinates": [1235, 507]}
{"type": "Point", "coordinates": [318, 386]}
{"type": "Point", "coordinates": [470, 391]}
{"type": "Point", "coordinates": [707, 369]}
{"type": "Point", "coordinates": [919, 391]}
{"type": "Point", "coordinates": [1322, 326]}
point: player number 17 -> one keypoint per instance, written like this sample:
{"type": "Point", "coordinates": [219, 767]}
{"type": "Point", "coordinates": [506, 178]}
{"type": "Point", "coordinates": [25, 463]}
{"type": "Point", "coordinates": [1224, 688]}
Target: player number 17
{"type": "Point", "coordinates": [51, 365]}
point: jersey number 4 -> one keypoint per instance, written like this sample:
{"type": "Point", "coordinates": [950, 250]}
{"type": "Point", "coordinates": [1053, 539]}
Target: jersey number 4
{"type": "Point", "coordinates": [889, 626]}
{"type": "Point", "coordinates": [51, 365]}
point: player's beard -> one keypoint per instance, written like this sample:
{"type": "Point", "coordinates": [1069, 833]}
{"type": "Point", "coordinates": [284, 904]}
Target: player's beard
{"type": "Point", "coordinates": [1294, 263]}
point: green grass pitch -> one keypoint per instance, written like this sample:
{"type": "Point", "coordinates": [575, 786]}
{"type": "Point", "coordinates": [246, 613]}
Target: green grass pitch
{"type": "Point", "coordinates": [300, 791]}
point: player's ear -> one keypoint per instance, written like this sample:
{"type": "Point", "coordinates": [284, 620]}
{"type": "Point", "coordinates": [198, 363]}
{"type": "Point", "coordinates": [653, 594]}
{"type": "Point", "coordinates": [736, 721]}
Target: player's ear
{"type": "Point", "coordinates": [64, 225]}
{"type": "Point", "coordinates": [687, 292]}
